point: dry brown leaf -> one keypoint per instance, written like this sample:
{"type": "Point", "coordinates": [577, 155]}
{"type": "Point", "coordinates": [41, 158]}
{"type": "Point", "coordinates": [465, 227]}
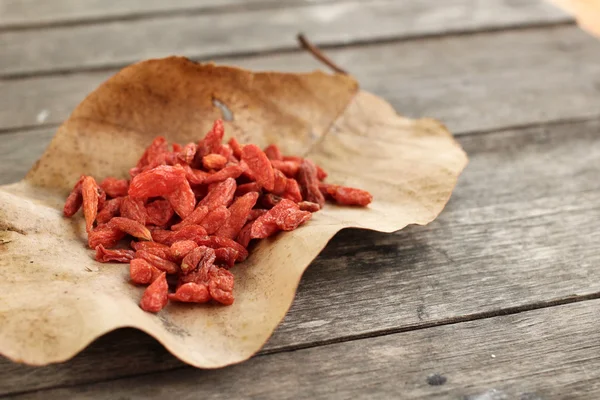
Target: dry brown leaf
{"type": "Point", "coordinates": [55, 299]}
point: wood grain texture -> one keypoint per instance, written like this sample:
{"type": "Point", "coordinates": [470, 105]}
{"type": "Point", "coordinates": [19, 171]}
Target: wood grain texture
{"type": "Point", "coordinates": [205, 36]}
{"type": "Point", "coordinates": [552, 353]}
{"type": "Point", "coordinates": [32, 13]}
{"type": "Point", "coordinates": [477, 82]}
{"type": "Point", "coordinates": [518, 231]}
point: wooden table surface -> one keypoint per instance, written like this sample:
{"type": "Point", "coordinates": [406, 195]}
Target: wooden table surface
{"type": "Point", "coordinates": [499, 298]}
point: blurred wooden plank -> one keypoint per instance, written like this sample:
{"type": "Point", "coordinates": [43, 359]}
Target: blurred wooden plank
{"type": "Point", "coordinates": [475, 82]}
{"type": "Point", "coordinates": [117, 43]}
{"type": "Point", "coordinates": [551, 353]}
{"type": "Point", "coordinates": [31, 13]}
{"type": "Point", "coordinates": [517, 233]}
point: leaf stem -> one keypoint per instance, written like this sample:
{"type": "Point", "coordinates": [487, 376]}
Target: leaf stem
{"type": "Point", "coordinates": [318, 54]}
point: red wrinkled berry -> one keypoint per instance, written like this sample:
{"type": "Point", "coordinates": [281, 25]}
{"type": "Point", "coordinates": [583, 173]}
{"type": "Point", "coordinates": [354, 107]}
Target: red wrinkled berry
{"type": "Point", "coordinates": [273, 153]}
{"type": "Point", "coordinates": [134, 209]}
{"type": "Point", "coordinates": [115, 187]}
{"type": "Point", "coordinates": [346, 195]}
{"type": "Point", "coordinates": [239, 211]}
{"type": "Point", "coordinates": [156, 182]}
{"type": "Point", "coordinates": [74, 200]}
{"type": "Point", "coordinates": [191, 292]}
{"type": "Point", "coordinates": [155, 296]}
{"type": "Point", "coordinates": [111, 209]}
{"type": "Point", "coordinates": [104, 255]}
{"type": "Point", "coordinates": [130, 227]}
{"type": "Point", "coordinates": [214, 161]}
{"type": "Point", "coordinates": [309, 183]}
{"type": "Point", "coordinates": [259, 165]}
{"type": "Point", "coordinates": [142, 272]}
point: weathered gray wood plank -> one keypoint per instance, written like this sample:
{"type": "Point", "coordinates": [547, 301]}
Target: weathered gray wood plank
{"type": "Point", "coordinates": [518, 231]}
{"type": "Point", "coordinates": [31, 13]}
{"type": "Point", "coordinates": [121, 42]}
{"type": "Point", "coordinates": [551, 353]}
{"type": "Point", "coordinates": [476, 82]}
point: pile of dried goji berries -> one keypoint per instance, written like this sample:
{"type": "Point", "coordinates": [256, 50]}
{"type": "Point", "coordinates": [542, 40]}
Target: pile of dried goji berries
{"type": "Point", "coordinates": [192, 211]}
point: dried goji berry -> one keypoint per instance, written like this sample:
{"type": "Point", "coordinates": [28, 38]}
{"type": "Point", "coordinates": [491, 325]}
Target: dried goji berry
{"type": "Point", "coordinates": [182, 199]}
{"type": "Point", "coordinates": [309, 183]}
{"type": "Point", "coordinates": [226, 256]}
{"type": "Point", "coordinates": [239, 211]}
{"type": "Point", "coordinates": [142, 272]}
{"type": "Point", "coordinates": [253, 214]}
{"type": "Point", "coordinates": [225, 151]}
{"type": "Point", "coordinates": [191, 292]}
{"type": "Point", "coordinates": [259, 165]}
{"type": "Point", "coordinates": [115, 187]}
{"type": "Point", "coordinates": [176, 147]}
{"type": "Point", "coordinates": [269, 200]}
{"type": "Point", "coordinates": [148, 245]}
{"type": "Point", "coordinates": [187, 153]}
{"type": "Point", "coordinates": [111, 209]}
{"type": "Point", "coordinates": [74, 200]}
{"type": "Point", "coordinates": [216, 242]}
{"type": "Point", "coordinates": [156, 182]}
{"type": "Point", "coordinates": [161, 263]}
{"type": "Point", "coordinates": [182, 248]}
{"type": "Point", "coordinates": [134, 209]}
{"type": "Point", "coordinates": [105, 235]}
{"type": "Point", "coordinates": [130, 227]}
{"type": "Point", "coordinates": [295, 159]}
{"type": "Point", "coordinates": [273, 153]}
{"type": "Point", "coordinates": [214, 161]}
{"type": "Point", "coordinates": [193, 219]}
{"type": "Point", "coordinates": [199, 256]}
{"type": "Point", "coordinates": [236, 147]}
{"type": "Point", "coordinates": [89, 192]}
{"type": "Point", "coordinates": [190, 232]}
{"type": "Point", "coordinates": [214, 219]}
{"type": "Point", "coordinates": [221, 195]}
{"type": "Point", "coordinates": [321, 174]}
{"type": "Point", "coordinates": [220, 286]}
{"type": "Point", "coordinates": [308, 206]}
{"type": "Point", "coordinates": [280, 182]}
{"type": "Point", "coordinates": [155, 295]}
{"type": "Point", "coordinates": [101, 199]}
{"type": "Point", "coordinates": [195, 176]}
{"type": "Point", "coordinates": [159, 212]}
{"type": "Point", "coordinates": [212, 140]}
{"type": "Point", "coordinates": [230, 171]}
{"type": "Point", "coordinates": [161, 252]}
{"type": "Point", "coordinates": [159, 145]}
{"type": "Point", "coordinates": [292, 191]}
{"type": "Point", "coordinates": [346, 195]}
{"type": "Point", "coordinates": [247, 188]}
{"type": "Point", "coordinates": [104, 255]}
{"type": "Point", "coordinates": [289, 168]}
{"type": "Point", "coordinates": [286, 216]}
{"type": "Point", "coordinates": [245, 235]}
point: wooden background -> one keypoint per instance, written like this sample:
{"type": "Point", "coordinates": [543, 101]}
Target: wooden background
{"type": "Point", "coordinates": [497, 299]}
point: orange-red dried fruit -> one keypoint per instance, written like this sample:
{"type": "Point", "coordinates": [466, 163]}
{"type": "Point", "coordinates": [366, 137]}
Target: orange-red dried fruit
{"type": "Point", "coordinates": [89, 192]}
{"type": "Point", "coordinates": [191, 292]}
{"type": "Point", "coordinates": [195, 176]}
{"type": "Point", "coordinates": [292, 191]}
{"type": "Point", "coordinates": [103, 255]}
{"type": "Point", "coordinates": [115, 187]}
{"type": "Point", "coordinates": [309, 183]}
{"type": "Point", "coordinates": [221, 195]}
{"type": "Point", "coordinates": [193, 219]}
{"type": "Point", "coordinates": [346, 195]}
{"type": "Point", "coordinates": [226, 256]}
{"type": "Point", "coordinates": [231, 171]}
{"type": "Point", "coordinates": [187, 153]}
{"type": "Point", "coordinates": [156, 182]}
{"type": "Point", "coordinates": [155, 295]}
{"type": "Point", "coordinates": [159, 262]}
{"type": "Point", "coordinates": [74, 200]}
{"type": "Point", "coordinates": [176, 147]}
{"type": "Point", "coordinates": [253, 214]}
{"type": "Point", "coordinates": [181, 248]}
{"type": "Point", "coordinates": [216, 242]}
{"type": "Point", "coordinates": [244, 237]}
{"type": "Point", "coordinates": [214, 161]}
{"type": "Point", "coordinates": [104, 235]}
{"type": "Point", "coordinates": [182, 199]}
{"type": "Point", "coordinates": [285, 216]}
{"type": "Point", "coordinates": [214, 219]}
{"type": "Point", "coordinates": [162, 253]}
{"type": "Point", "coordinates": [212, 140]}
{"type": "Point", "coordinates": [226, 151]}
{"type": "Point", "coordinates": [269, 200]}
{"type": "Point", "coordinates": [247, 188]}
{"type": "Point", "coordinates": [289, 168]}
{"type": "Point", "coordinates": [321, 174]}
{"type": "Point", "coordinates": [190, 232]}
{"type": "Point", "coordinates": [295, 159]}
{"type": "Point", "coordinates": [308, 206]}
{"type": "Point", "coordinates": [148, 245]}
{"type": "Point", "coordinates": [236, 147]}
{"type": "Point", "coordinates": [198, 257]}
{"type": "Point", "coordinates": [259, 165]}
{"type": "Point", "coordinates": [101, 199]}
{"type": "Point", "coordinates": [280, 182]}
{"type": "Point", "coordinates": [134, 209]}
{"type": "Point", "coordinates": [111, 209]}
{"type": "Point", "coordinates": [273, 153]}
{"type": "Point", "coordinates": [142, 272]}
{"type": "Point", "coordinates": [220, 286]}
{"type": "Point", "coordinates": [239, 211]}
{"type": "Point", "coordinates": [159, 212]}
{"type": "Point", "coordinates": [130, 227]}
